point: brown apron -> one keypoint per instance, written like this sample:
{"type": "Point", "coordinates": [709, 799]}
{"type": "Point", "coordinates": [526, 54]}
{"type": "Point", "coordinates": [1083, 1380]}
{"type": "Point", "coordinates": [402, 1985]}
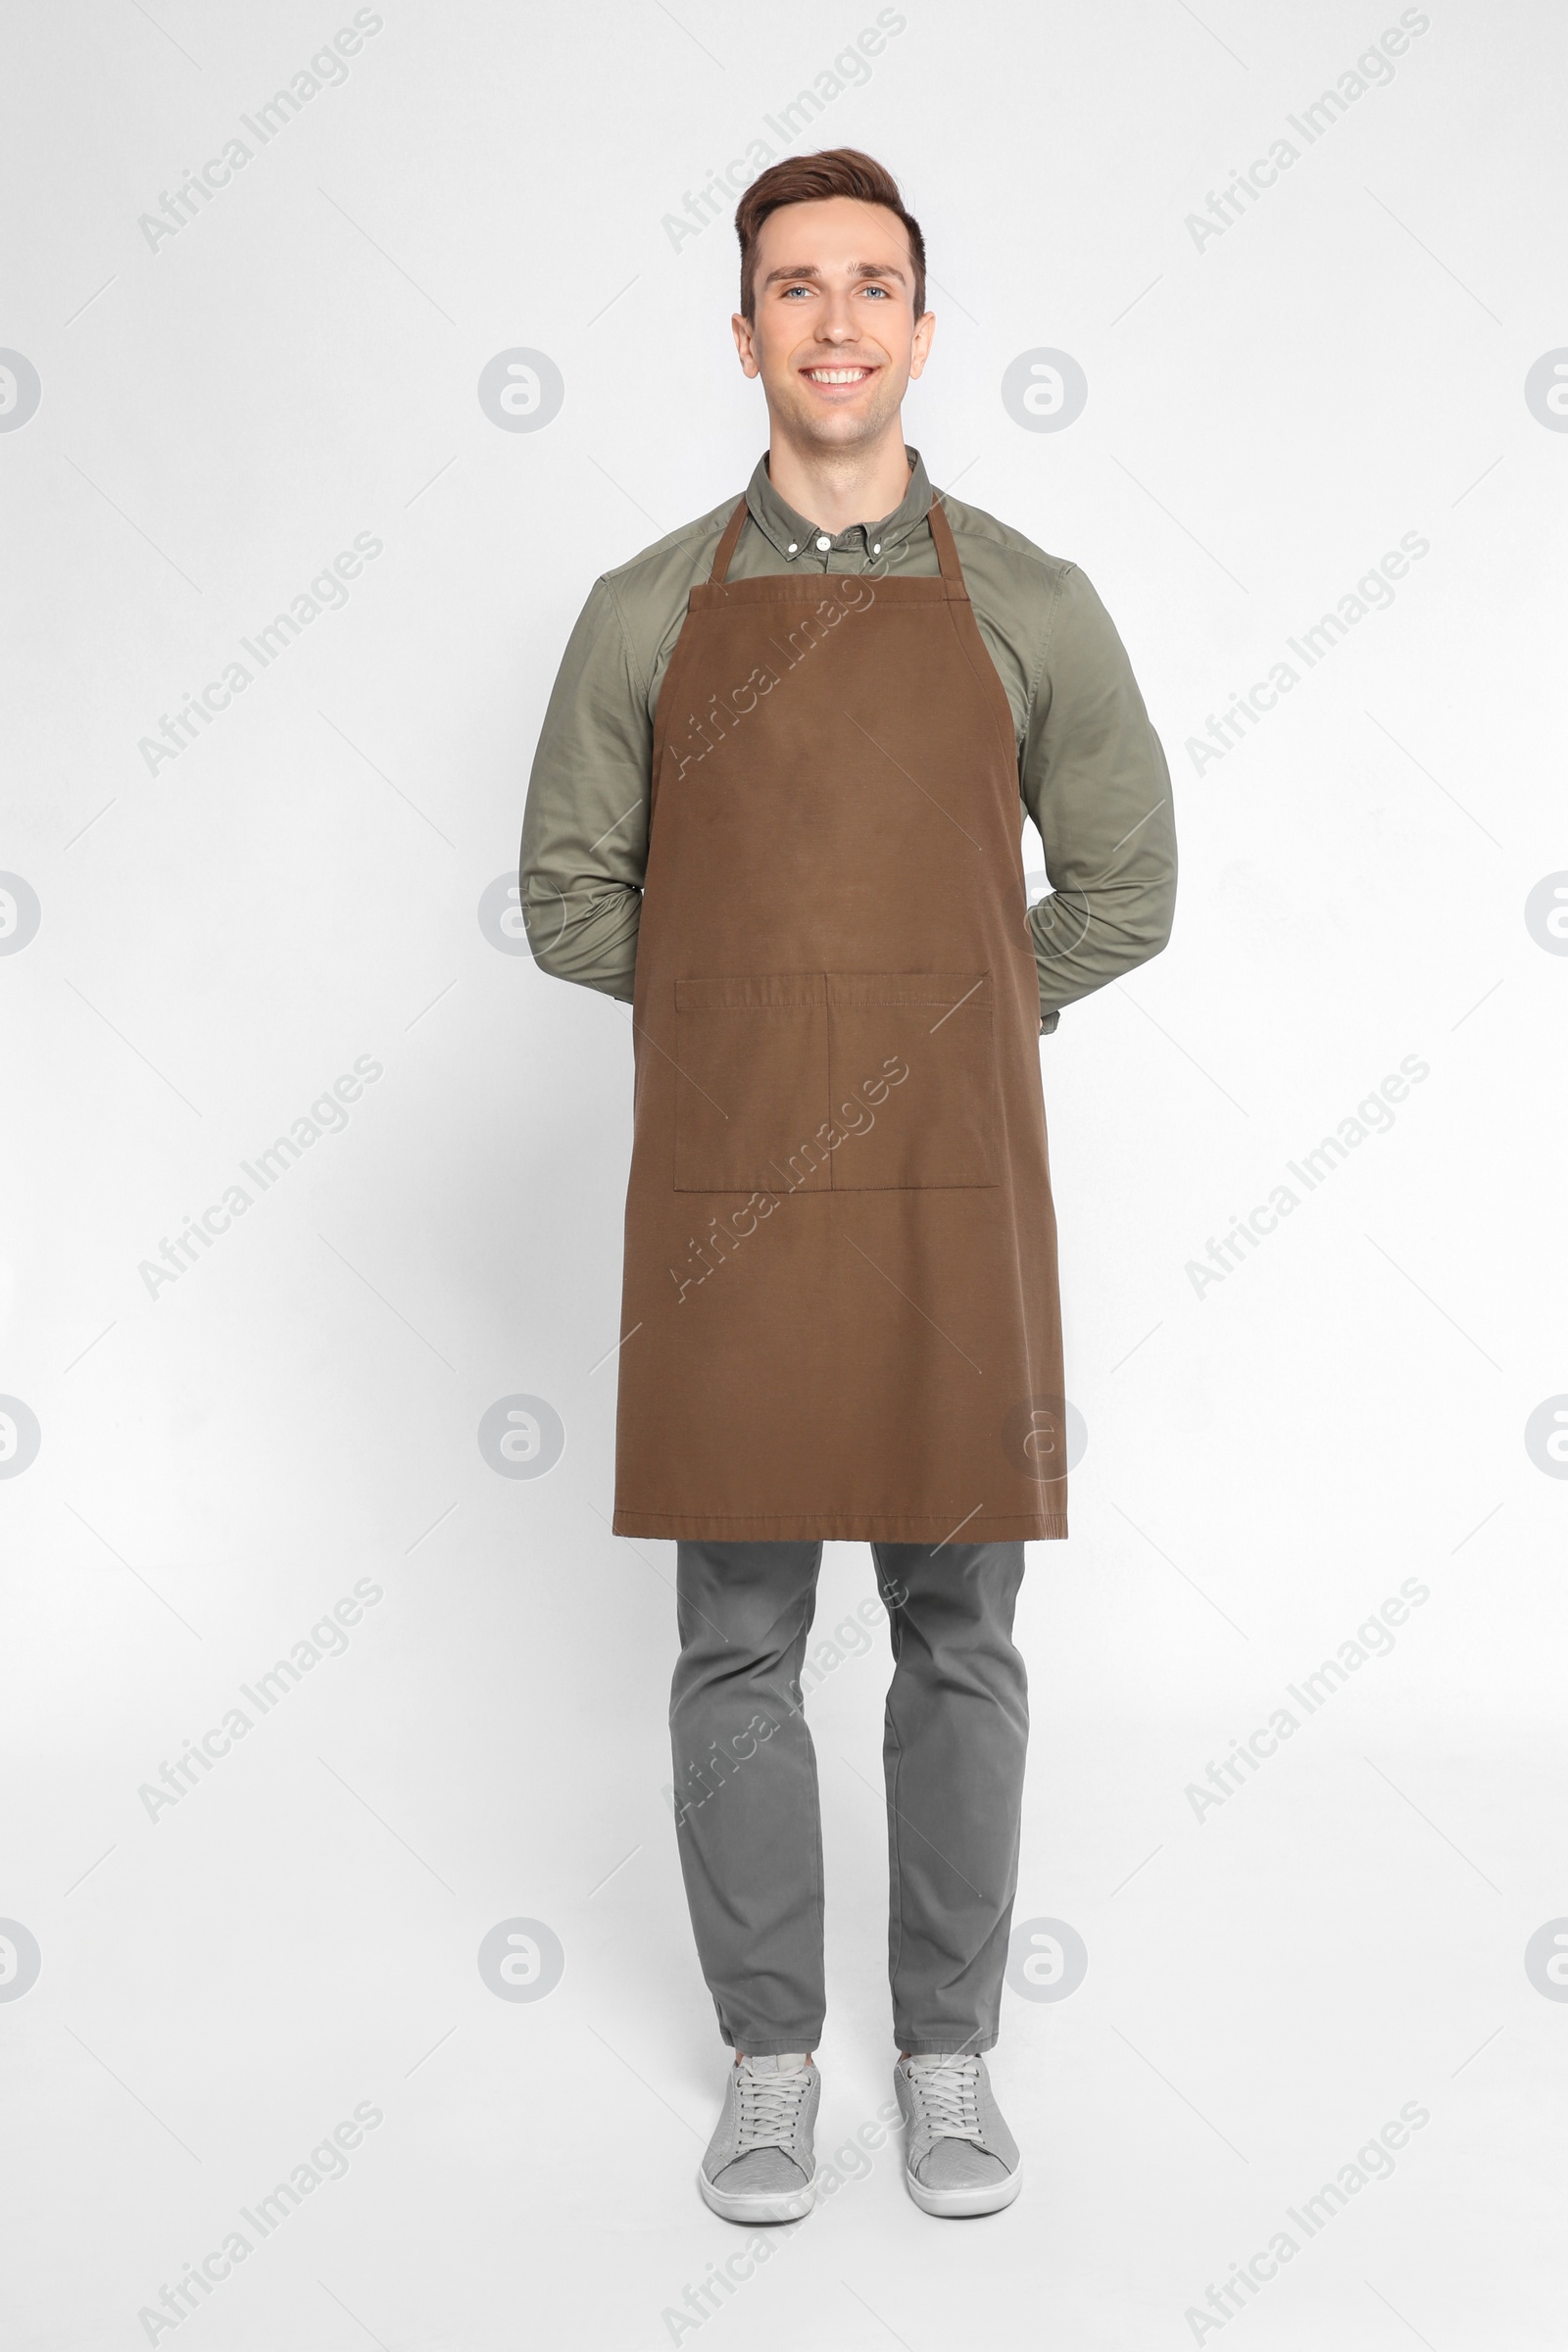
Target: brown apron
{"type": "Point", "coordinates": [840, 1314]}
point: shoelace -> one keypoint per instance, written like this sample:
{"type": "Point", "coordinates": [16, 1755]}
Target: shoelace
{"type": "Point", "coordinates": [949, 2099]}
{"type": "Point", "coordinates": [771, 2107]}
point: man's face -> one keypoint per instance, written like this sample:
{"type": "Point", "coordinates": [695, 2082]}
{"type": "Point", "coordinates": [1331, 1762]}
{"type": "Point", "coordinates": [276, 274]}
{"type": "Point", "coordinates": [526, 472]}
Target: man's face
{"type": "Point", "coordinates": [835, 339]}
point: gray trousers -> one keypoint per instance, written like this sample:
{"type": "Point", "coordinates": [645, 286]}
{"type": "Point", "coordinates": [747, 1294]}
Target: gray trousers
{"type": "Point", "coordinates": [748, 1820]}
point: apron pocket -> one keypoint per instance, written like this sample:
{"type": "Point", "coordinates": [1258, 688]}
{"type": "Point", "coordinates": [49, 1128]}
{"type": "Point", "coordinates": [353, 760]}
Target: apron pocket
{"type": "Point", "coordinates": [913, 1080]}
{"type": "Point", "coordinates": [752, 1088]}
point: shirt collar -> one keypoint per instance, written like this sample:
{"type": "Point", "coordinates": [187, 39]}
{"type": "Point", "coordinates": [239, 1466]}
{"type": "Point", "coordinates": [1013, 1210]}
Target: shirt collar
{"type": "Point", "coordinates": [794, 534]}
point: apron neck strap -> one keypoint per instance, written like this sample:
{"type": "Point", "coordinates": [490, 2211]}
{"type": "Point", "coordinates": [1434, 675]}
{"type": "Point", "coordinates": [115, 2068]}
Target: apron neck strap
{"type": "Point", "coordinates": [727, 545]}
{"type": "Point", "coordinates": [947, 551]}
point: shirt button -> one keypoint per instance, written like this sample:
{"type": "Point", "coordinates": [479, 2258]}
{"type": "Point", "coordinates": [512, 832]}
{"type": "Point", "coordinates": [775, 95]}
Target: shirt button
{"type": "Point", "coordinates": [794, 548]}
{"type": "Point", "coordinates": [825, 544]}
{"type": "Point", "coordinates": [877, 550]}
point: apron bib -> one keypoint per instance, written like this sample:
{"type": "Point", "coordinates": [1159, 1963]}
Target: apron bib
{"type": "Point", "coordinates": [840, 1301]}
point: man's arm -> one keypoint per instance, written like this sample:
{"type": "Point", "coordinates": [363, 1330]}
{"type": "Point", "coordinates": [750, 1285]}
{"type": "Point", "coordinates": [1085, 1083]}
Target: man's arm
{"type": "Point", "coordinates": [1095, 780]}
{"type": "Point", "coordinates": [585, 826]}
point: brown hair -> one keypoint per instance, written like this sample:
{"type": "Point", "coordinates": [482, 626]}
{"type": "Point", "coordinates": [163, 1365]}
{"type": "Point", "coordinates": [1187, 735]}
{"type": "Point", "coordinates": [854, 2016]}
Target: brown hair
{"type": "Point", "coordinates": [806, 180]}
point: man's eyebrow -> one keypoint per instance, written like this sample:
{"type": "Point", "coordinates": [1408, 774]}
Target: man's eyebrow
{"type": "Point", "coordinates": [856, 270]}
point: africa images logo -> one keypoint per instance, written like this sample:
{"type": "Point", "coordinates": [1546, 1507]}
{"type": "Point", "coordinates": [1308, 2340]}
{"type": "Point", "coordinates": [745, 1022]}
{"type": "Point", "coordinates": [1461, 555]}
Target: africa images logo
{"type": "Point", "coordinates": [1546, 390]}
{"type": "Point", "coordinates": [19, 1437]}
{"type": "Point", "coordinates": [1044, 390]}
{"type": "Point", "coordinates": [20, 390]}
{"type": "Point", "coordinates": [520, 389]}
{"type": "Point", "coordinates": [19, 1960]}
{"type": "Point", "coordinates": [522, 1436]}
{"type": "Point", "coordinates": [21, 913]}
{"type": "Point", "coordinates": [521, 1959]}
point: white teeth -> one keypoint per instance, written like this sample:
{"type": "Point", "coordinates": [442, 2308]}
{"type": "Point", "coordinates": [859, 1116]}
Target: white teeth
{"type": "Point", "coordinates": [837, 375]}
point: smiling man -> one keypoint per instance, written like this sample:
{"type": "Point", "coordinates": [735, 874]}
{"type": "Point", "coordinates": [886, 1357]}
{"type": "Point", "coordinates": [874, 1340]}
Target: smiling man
{"type": "Point", "coordinates": [777, 804]}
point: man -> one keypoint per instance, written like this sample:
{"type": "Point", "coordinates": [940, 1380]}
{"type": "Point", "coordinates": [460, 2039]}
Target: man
{"type": "Point", "coordinates": [777, 804]}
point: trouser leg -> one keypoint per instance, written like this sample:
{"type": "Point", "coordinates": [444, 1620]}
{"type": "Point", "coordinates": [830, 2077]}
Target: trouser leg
{"type": "Point", "coordinates": [748, 1820]}
{"type": "Point", "coordinates": [956, 1733]}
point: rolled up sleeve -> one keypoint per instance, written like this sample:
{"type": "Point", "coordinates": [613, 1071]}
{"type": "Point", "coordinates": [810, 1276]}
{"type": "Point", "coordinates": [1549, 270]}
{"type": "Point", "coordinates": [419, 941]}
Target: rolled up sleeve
{"type": "Point", "coordinates": [585, 824]}
{"type": "Point", "coordinates": [1095, 780]}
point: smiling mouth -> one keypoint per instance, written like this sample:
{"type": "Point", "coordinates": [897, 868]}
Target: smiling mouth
{"type": "Point", "coordinates": [857, 374]}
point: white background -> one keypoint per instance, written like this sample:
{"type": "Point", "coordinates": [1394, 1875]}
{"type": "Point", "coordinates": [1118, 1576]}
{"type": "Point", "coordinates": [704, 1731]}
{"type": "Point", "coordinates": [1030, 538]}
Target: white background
{"type": "Point", "coordinates": [219, 1462]}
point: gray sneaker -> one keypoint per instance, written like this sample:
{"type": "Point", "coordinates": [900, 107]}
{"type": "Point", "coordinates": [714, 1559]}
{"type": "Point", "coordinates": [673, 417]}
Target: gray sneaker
{"type": "Point", "coordinates": [759, 2166]}
{"type": "Point", "coordinates": [959, 2157]}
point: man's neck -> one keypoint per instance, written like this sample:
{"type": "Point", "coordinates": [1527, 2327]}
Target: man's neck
{"type": "Point", "coordinates": [838, 488]}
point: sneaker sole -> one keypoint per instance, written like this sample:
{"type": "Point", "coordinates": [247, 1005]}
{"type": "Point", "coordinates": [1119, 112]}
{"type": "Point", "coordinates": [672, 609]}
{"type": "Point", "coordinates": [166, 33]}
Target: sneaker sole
{"type": "Point", "coordinates": [788, 2205]}
{"type": "Point", "coordinates": [960, 2204]}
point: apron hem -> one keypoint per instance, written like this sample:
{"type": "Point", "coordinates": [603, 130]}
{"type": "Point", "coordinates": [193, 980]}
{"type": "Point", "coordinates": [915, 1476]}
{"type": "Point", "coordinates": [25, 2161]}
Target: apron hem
{"type": "Point", "coordinates": [837, 1527]}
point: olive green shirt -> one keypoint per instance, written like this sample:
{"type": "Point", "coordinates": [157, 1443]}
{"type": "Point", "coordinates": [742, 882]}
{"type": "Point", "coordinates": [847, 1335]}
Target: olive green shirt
{"type": "Point", "coordinates": [1091, 769]}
